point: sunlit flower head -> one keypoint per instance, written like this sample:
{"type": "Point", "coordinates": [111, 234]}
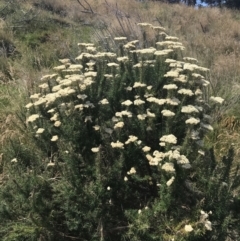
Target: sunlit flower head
{"type": "Point", "coordinates": [113, 65]}
{"type": "Point", "coordinates": [51, 110]}
{"type": "Point", "coordinates": [181, 78]}
{"type": "Point", "coordinates": [124, 113]}
{"type": "Point", "coordinates": [189, 109]}
{"type": "Point", "coordinates": [185, 92]}
{"type": "Point", "coordinates": [132, 171]}
{"type": "Point", "coordinates": [188, 228]}
{"type": "Point", "coordinates": [173, 155]}
{"type": "Point", "coordinates": [119, 125]}
{"type": "Point", "coordinates": [217, 100]}
{"type": "Point", "coordinates": [95, 149]}
{"type": "Point", "coordinates": [146, 149]}
{"type": "Point", "coordinates": [146, 51]}
{"type": "Point", "coordinates": [168, 167]}
{"type": "Point", "coordinates": [167, 113]}
{"type": "Point", "coordinates": [90, 74]}
{"type": "Point", "coordinates": [54, 138]}
{"type": "Point", "coordinates": [40, 130]}
{"type": "Point", "coordinates": [173, 101]}
{"type": "Point", "coordinates": [127, 102]}
{"type": "Point", "coordinates": [182, 160]}
{"type": "Point", "coordinates": [122, 59]}
{"type": "Point", "coordinates": [190, 67]}
{"type": "Point", "coordinates": [141, 116]}
{"type": "Point", "coordinates": [103, 102]}
{"type": "Point", "coordinates": [57, 123]}
{"type": "Point", "coordinates": [54, 117]}
{"type": "Point", "coordinates": [138, 85]}
{"type": "Point", "coordinates": [60, 67]}
{"type": "Point", "coordinates": [172, 74]}
{"type": "Point", "coordinates": [32, 118]}
{"type": "Point", "coordinates": [75, 67]}
{"type": "Point", "coordinates": [170, 87]}
{"type": "Point", "coordinates": [117, 144]}
{"type": "Point", "coordinates": [40, 101]}
{"type": "Point", "coordinates": [138, 102]}
{"type": "Point", "coordinates": [29, 105]}
{"type": "Point", "coordinates": [152, 99]}
{"type": "Point", "coordinates": [192, 121]}
{"type": "Point", "coordinates": [169, 139]}
{"type": "Point", "coordinates": [131, 138]}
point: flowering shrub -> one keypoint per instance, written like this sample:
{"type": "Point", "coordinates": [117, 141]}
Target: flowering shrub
{"type": "Point", "coordinates": [119, 143]}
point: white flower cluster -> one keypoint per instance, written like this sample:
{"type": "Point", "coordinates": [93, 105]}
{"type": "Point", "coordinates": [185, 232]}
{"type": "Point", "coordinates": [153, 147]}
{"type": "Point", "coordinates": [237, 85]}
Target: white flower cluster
{"type": "Point", "coordinates": [146, 108]}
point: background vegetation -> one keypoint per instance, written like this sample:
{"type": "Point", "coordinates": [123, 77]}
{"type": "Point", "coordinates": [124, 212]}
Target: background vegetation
{"type": "Point", "coordinates": [34, 34]}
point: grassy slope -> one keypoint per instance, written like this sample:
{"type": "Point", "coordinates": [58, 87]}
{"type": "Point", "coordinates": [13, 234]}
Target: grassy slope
{"type": "Point", "coordinates": [43, 31]}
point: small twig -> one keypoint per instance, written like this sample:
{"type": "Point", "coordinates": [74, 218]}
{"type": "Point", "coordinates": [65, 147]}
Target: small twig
{"type": "Point", "coordinates": [86, 10]}
{"type": "Point", "coordinates": [89, 6]}
{"type": "Point", "coordinates": [203, 28]}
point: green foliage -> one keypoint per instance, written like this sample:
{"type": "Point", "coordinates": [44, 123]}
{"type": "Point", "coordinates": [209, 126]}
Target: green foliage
{"type": "Point", "coordinates": [90, 165]}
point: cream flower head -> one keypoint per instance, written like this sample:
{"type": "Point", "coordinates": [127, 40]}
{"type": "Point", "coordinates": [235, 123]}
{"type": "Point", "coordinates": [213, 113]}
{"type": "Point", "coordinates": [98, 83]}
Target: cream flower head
{"type": "Point", "coordinates": [40, 130]}
{"type": "Point", "coordinates": [168, 167]}
{"type": "Point", "coordinates": [54, 138]}
{"type": "Point", "coordinates": [95, 149]}
{"type": "Point", "coordinates": [117, 144]}
{"type": "Point", "coordinates": [185, 92]}
{"type": "Point", "coordinates": [131, 139]}
{"type": "Point", "coordinates": [32, 118]}
{"type": "Point", "coordinates": [167, 113]}
{"type": "Point", "coordinates": [138, 102]}
{"type": "Point", "coordinates": [146, 149]}
{"type": "Point", "coordinates": [188, 228]}
{"type": "Point", "coordinates": [189, 109]}
{"type": "Point", "coordinates": [192, 121]}
{"type": "Point", "coordinates": [119, 125]}
{"type": "Point", "coordinates": [217, 100]}
{"type": "Point", "coordinates": [169, 139]}
{"type": "Point", "coordinates": [127, 102]}
{"type": "Point", "coordinates": [170, 87]}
